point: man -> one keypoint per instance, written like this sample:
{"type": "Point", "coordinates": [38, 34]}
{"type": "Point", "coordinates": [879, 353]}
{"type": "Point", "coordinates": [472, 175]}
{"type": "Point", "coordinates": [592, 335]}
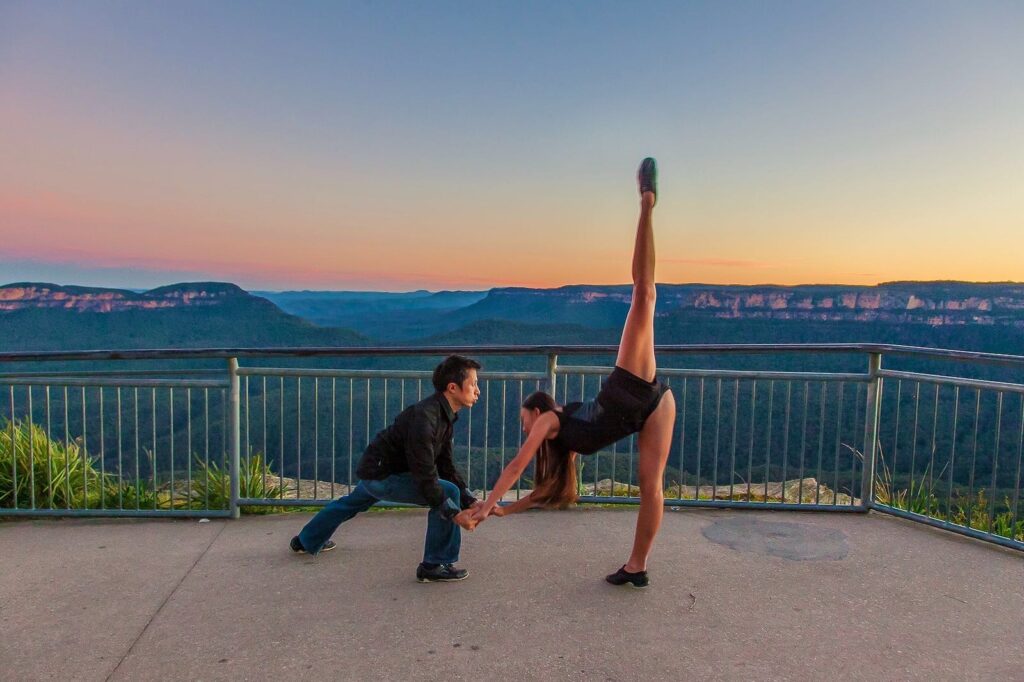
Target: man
{"type": "Point", "coordinates": [411, 461]}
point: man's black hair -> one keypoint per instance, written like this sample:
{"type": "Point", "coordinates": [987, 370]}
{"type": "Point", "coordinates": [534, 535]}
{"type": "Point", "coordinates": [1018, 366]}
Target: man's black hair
{"type": "Point", "coordinates": [453, 370]}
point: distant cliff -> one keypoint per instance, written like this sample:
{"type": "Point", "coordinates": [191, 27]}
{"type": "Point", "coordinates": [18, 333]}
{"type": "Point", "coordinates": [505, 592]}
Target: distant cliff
{"type": "Point", "coordinates": [35, 316]}
{"type": "Point", "coordinates": [28, 295]}
{"type": "Point", "coordinates": [930, 303]}
{"type": "Point", "coordinates": [953, 314]}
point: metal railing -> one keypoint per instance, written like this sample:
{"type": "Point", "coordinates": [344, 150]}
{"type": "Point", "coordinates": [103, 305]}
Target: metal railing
{"type": "Point", "coordinates": [125, 433]}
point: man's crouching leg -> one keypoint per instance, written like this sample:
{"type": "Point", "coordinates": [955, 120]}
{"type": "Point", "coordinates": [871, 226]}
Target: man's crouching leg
{"type": "Point", "coordinates": [443, 541]}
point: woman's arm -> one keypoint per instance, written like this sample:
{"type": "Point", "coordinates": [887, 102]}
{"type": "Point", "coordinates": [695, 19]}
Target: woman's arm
{"type": "Point", "coordinates": [520, 505]}
{"type": "Point", "coordinates": [545, 427]}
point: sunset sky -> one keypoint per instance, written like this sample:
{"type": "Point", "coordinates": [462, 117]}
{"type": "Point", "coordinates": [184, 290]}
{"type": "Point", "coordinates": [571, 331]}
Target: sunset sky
{"type": "Point", "coordinates": [401, 145]}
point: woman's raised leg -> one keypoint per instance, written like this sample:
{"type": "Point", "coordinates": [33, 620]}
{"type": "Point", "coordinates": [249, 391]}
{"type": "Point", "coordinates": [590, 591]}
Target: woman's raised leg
{"type": "Point", "coordinates": [636, 349]}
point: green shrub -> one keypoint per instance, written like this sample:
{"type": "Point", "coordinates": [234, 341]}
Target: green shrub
{"type": "Point", "coordinates": [37, 469]}
{"type": "Point", "coordinates": [34, 467]}
{"type": "Point", "coordinates": [211, 485]}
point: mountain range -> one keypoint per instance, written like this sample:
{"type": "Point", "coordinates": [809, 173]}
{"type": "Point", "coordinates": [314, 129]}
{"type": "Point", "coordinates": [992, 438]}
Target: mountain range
{"type": "Point", "coordinates": [978, 316]}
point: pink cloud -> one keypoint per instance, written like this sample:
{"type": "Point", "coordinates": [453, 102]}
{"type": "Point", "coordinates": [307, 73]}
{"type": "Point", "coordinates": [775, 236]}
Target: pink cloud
{"type": "Point", "coordinates": [718, 262]}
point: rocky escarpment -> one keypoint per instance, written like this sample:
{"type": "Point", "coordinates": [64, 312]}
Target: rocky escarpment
{"type": "Point", "coordinates": [26, 295]}
{"type": "Point", "coordinates": [930, 303]}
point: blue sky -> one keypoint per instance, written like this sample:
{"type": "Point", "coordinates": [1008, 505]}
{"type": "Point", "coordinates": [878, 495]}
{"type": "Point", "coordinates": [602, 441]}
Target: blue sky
{"type": "Point", "coordinates": [371, 145]}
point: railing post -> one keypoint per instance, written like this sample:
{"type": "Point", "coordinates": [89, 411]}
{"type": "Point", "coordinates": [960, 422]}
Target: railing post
{"type": "Point", "coordinates": [234, 434]}
{"type": "Point", "coordinates": [871, 417]}
{"type": "Point", "coordinates": [552, 368]}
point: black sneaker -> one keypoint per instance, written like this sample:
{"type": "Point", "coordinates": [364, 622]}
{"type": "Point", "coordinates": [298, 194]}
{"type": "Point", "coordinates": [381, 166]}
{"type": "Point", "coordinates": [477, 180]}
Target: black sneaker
{"type": "Point", "coordinates": [297, 547]}
{"type": "Point", "coordinates": [624, 577]}
{"type": "Point", "coordinates": [647, 176]}
{"type": "Point", "coordinates": [445, 573]}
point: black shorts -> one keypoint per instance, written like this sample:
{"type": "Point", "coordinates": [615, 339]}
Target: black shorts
{"type": "Point", "coordinates": [621, 408]}
{"type": "Point", "coordinates": [630, 398]}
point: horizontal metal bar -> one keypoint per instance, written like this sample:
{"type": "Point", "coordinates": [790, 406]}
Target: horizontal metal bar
{"type": "Point", "coordinates": [728, 504]}
{"type": "Point", "coordinates": [117, 373]}
{"type": "Point", "coordinates": [953, 381]}
{"type": "Point", "coordinates": [945, 354]}
{"type": "Point", "coordinates": [750, 348]}
{"type": "Point", "coordinates": [952, 527]}
{"type": "Point", "coordinates": [726, 374]}
{"type": "Point", "coordinates": [375, 373]}
{"type": "Point", "coordinates": [128, 383]}
{"type": "Point", "coordinates": [318, 502]}
{"type": "Point", "coordinates": [165, 513]}
{"type": "Point", "coordinates": [725, 504]}
{"type": "Point", "coordinates": [335, 351]}
{"type": "Point", "coordinates": [336, 373]}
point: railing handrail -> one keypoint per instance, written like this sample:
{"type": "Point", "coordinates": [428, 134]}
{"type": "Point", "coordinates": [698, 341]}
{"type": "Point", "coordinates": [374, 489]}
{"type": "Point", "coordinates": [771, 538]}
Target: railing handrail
{"type": "Point", "coordinates": [390, 351]}
{"type": "Point", "coordinates": [867, 446]}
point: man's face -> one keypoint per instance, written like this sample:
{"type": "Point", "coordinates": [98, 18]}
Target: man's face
{"type": "Point", "coordinates": [467, 394]}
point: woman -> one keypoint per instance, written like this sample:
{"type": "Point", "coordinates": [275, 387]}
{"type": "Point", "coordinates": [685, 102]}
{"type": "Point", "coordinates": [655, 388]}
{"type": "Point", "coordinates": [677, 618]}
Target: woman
{"type": "Point", "coordinates": [631, 400]}
{"type": "Point", "coordinates": [554, 478]}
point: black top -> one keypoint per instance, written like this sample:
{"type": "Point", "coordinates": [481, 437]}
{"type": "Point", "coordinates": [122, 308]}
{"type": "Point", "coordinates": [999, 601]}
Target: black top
{"type": "Point", "coordinates": [587, 427]}
{"type": "Point", "coordinates": [622, 406]}
{"type": "Point", "coordinates": [419, 441]}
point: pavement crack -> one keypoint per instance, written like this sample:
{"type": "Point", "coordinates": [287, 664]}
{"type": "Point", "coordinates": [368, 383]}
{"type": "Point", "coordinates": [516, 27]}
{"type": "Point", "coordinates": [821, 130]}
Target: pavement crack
{"type": "Point", "coordinates": [164, 602]}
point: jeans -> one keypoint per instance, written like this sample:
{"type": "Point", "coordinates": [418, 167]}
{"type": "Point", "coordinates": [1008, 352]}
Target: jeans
{"type": "Point", "coordinates": [444, 538]}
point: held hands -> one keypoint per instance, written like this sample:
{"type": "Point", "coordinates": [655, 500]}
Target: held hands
{"type": "Point", "coordinates": [470, 518]}
{"type": "Point", "coordinates": [478, 511]}
{"type": "Point", "coordinates": [466, 519]}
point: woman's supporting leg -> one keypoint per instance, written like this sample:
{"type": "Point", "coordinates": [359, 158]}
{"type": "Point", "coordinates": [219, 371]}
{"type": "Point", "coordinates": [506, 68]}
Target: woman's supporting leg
{"type": "Point", "coordinates": [654, 442]}
{"type": "Point", "coordinates": [636, 349]}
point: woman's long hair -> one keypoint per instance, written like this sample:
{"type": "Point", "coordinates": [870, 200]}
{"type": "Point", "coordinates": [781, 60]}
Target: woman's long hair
{"type": "Point", "coordinates": [555, 469]}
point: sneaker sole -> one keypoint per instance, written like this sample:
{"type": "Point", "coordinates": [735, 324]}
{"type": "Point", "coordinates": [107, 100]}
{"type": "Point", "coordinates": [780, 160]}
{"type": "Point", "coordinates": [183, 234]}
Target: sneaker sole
{"type": "Point", "coordinates": [322, 550]}
{"type": "Point", "coordinates": [630, 584]}
{"type": "Point", "coordinates": [440, 580]}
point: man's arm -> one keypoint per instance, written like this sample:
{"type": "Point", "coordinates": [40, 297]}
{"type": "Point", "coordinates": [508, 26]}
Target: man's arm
{"type": "Point", "coordinates": [419, 452]}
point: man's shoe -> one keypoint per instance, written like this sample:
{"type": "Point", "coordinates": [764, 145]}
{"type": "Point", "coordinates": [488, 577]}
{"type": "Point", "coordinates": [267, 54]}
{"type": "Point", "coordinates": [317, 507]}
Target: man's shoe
{"type": "Point", "coordinates": [647, 176]}
{"type": "Point", "coordinates": [445, 573]}
{"type": "Point", "coordinates": [297, 547]}
{"type": "Point", "coordinates": [624, 577]}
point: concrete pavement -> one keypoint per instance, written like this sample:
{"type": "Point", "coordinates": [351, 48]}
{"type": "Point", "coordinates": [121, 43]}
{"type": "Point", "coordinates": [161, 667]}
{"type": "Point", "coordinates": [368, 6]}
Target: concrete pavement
{"type": "Point", "coordinates": [734, 595]}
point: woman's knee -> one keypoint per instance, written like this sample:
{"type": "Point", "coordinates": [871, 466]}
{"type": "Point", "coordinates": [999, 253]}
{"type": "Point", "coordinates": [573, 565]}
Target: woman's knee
{"type": "Point", "coordinates": [645, 294]}
{"type": "Point", "coordinates": [650, 481]}
{"type": "Point", "coordinates": [652, 493]}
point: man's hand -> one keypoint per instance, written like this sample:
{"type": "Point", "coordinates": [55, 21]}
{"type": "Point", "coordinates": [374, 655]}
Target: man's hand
{"type": "Point", "coordinates": [466, 519]}
{"type": "Point", "coordinates": [498, 511]}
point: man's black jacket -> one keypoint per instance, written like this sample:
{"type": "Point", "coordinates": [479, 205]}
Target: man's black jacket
{"type": "Point", "coordinates": [418, 441]}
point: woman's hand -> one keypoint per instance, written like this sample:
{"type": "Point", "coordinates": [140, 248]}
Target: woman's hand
{"type": "Point", "coordinates": [478, 515]}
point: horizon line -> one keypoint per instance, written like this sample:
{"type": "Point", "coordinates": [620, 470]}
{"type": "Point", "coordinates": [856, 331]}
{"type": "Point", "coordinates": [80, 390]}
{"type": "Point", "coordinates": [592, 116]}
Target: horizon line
{"type": "Point", "coordinates": [256, 290]}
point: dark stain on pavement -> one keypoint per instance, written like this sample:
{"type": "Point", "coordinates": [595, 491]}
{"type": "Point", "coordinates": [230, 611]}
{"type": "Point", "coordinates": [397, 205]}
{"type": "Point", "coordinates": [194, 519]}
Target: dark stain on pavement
{"type": "Point", "coordinates": [793, 541]}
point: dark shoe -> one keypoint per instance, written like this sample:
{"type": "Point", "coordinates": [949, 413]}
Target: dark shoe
{"type": "Point", "coordinates": [624, 577]}
{"type": "Point", "coordinates": [297, 547]}
{"type": "Point", "coordinates": [647, 176]}
{"type": "Point", "coordinates": [445, 573]}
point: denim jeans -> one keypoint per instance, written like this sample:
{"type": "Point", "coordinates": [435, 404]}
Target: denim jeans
{"type": "Point", "coordinates": [444, 538]}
